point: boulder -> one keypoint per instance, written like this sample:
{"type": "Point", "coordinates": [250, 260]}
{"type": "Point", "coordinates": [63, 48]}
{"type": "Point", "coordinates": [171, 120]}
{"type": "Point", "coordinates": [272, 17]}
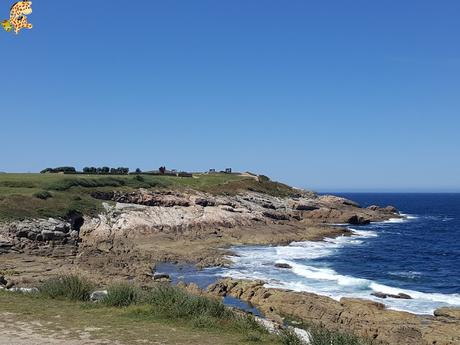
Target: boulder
{"type": "Point", "coordinates": [282, 265]}
{"type": "Point", "coordinates": [47, 235]}
{"type": "Point", "coordinates": [161, 277]}
{"type": "Point", "coordinates": [387, 295]}
{"type": "Point", "coordinates": [24, 290]}
{"type": "Point", "coordinates": [3, 281]}
{"type": "Point", "coordinates": [98, 296]}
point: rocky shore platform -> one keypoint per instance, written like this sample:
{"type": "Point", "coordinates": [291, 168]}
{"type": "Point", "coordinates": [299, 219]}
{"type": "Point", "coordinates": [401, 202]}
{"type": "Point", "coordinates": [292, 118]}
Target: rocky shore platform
{"type": "Point", "coordinates": [140, 228]}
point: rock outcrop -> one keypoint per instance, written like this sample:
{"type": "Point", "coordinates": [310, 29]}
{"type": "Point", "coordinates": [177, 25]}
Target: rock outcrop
{"type": "Point", "coordinates": [144, 211]}
{"type": "Point", "coordinates": [39, 236]}
{"type": "Point", "coordinates": [367, 319]}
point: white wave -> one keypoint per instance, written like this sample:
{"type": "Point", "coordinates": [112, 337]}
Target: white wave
{"type": "Point", "coordinates": [409, 216]}
{"type": "Point", "coordinates": [306, 274]}
{"type": "Point", "coordinates": [364, 233]}
{"type": "Point", "coordinates": [395, 220]}
{"type": "Point", "coordinates": [326, 274]}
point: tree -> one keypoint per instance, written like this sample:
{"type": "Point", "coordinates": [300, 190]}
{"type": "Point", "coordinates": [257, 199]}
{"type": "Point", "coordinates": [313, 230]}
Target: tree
{"type": "Point", "coordinates": [162, 170]}
{"type": "Point", "coordinates": [138, 171]}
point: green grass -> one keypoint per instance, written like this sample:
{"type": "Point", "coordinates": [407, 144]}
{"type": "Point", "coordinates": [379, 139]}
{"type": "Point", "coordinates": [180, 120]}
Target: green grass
{"type": "Point", "coordinates": [128, 325]}
{"type": "Point", "coordinates": [122, 295]}
{"type": "Point", "coordinates": [54, 195]}
{"type": "Point", "coordinates": [68, 287]}
{"type": "Point", "coordinates": [132, 315]}
{"type": "Point", "coordinates": [322, 336]}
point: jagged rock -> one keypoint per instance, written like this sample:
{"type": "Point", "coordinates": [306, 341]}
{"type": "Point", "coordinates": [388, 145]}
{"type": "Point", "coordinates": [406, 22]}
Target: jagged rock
{"type": "Point", "coordinates": [282, 265]}
{"type": "Point", "coordinates": [364, 318]}
{"type": "Point", "coordinates": [387, 295]}
{"type": "Point", "coordinates": [3, 281]}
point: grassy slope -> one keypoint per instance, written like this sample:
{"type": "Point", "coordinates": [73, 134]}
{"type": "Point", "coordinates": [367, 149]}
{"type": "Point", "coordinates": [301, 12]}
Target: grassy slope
{"type": "Point", "coordinates": [127, 325]}
{"type": "Point", "coordinates": [72, 192]}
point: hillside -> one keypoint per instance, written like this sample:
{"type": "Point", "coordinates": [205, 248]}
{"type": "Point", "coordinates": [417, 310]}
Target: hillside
{"type": "Point", "coordinates": [55, 195]}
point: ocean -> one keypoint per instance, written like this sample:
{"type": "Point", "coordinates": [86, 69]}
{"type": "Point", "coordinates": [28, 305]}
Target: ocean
{"type": "Point", "coordinates": [418, 256]}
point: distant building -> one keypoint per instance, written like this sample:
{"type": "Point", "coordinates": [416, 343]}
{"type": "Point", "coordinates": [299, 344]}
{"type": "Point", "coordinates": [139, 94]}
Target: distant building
{"type": "Point", "coordinates": [228, 170]}
{"type": "Point", "coordinates": [212, 171]}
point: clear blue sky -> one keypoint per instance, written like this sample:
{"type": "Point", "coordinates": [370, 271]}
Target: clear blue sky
{"type": "Point", "coordinates": [330, 95]}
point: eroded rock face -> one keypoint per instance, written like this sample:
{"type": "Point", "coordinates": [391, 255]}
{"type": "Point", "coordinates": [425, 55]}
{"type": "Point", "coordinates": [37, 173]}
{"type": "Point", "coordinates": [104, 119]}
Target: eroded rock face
{"type": "Point", "coordinates": [146, 211]}
{"type": "Point", "coordinates": [367, 319]}
{"type": "Point", "coordinates": [36, 234]}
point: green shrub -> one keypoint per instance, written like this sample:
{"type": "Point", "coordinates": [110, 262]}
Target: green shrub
{"type": "Point", "coordinates": [322, 336]}
{"type": "Point", "coordinates": [43, 195]}
{"type": "Point", "coordinates": [263, 178]}
{"type": "Point", "coordinates": [67, 287]}
{"type": "Point", "coordinates": [172, 302]}
{"type": "Point", "coordinates": [288, 337]}
{"type": "Point", "coordinates": [67, 183]}
{"type": "Point", "coordinates": [121, 295]}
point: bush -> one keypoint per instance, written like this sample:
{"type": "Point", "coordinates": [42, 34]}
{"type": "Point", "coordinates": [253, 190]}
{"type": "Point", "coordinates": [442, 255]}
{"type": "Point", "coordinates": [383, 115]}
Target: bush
{"type": "Point", "coordinates": [43, 195]}
{"type": "Point", "coordinates": [67, 287]}
{"type": "Point", "coordinates": [67, 183]}
{"type": "Point", "coordinates": [263, 178]}
{"type": "Point", "coordinates": [322, 336]}
{"type": "Point", "coordinates": [172, 302]}
{"type": "Point", "coordinates": [288, 337]}
{"type": "Point", "coordinates": [121, 295]}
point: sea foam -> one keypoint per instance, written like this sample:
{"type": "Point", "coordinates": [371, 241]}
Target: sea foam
{"type": "Point", "coordinates": [310, 275]}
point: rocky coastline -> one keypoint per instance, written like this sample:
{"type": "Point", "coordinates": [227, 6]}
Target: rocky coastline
{"type": "Point", "coordinates": [140, 228]}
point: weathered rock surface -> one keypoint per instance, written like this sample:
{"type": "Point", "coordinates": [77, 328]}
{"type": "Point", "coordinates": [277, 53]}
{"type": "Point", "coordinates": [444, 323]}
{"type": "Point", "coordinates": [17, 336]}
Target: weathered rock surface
{"type": "Point", "coordinates": [97, 296]}
{"type": "Point", "coordinates": [364, 318]}
{"type": "Point", "coordinates": [143, 212]}
{"type": "Point", "coordinates": [35, 234]}
{"type": "Point", "coordinates": [387, 295]}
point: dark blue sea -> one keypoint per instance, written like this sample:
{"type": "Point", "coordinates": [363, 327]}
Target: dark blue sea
{"type": "Point", "coordinates": [418, 255]}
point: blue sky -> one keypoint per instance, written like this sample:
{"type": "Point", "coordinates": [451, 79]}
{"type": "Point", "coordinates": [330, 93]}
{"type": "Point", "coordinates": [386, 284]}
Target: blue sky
{"type": "Point", "coordinates": [329, 95]}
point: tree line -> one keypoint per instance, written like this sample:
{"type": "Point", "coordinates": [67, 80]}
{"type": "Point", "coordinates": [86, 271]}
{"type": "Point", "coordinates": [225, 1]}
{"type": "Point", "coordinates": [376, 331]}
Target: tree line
{"type": "Point", "coordinates": [89, 170]}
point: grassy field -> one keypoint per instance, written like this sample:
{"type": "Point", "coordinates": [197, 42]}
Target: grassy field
{"type": "Point", "coordinates": [54, 195]}
{"type": "Point", "coordinates": [128, 315]}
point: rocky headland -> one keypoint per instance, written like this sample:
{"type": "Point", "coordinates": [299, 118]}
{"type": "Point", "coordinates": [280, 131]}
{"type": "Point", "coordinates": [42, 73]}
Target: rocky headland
{"type": "Point", "coordinates": [138, 228]}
